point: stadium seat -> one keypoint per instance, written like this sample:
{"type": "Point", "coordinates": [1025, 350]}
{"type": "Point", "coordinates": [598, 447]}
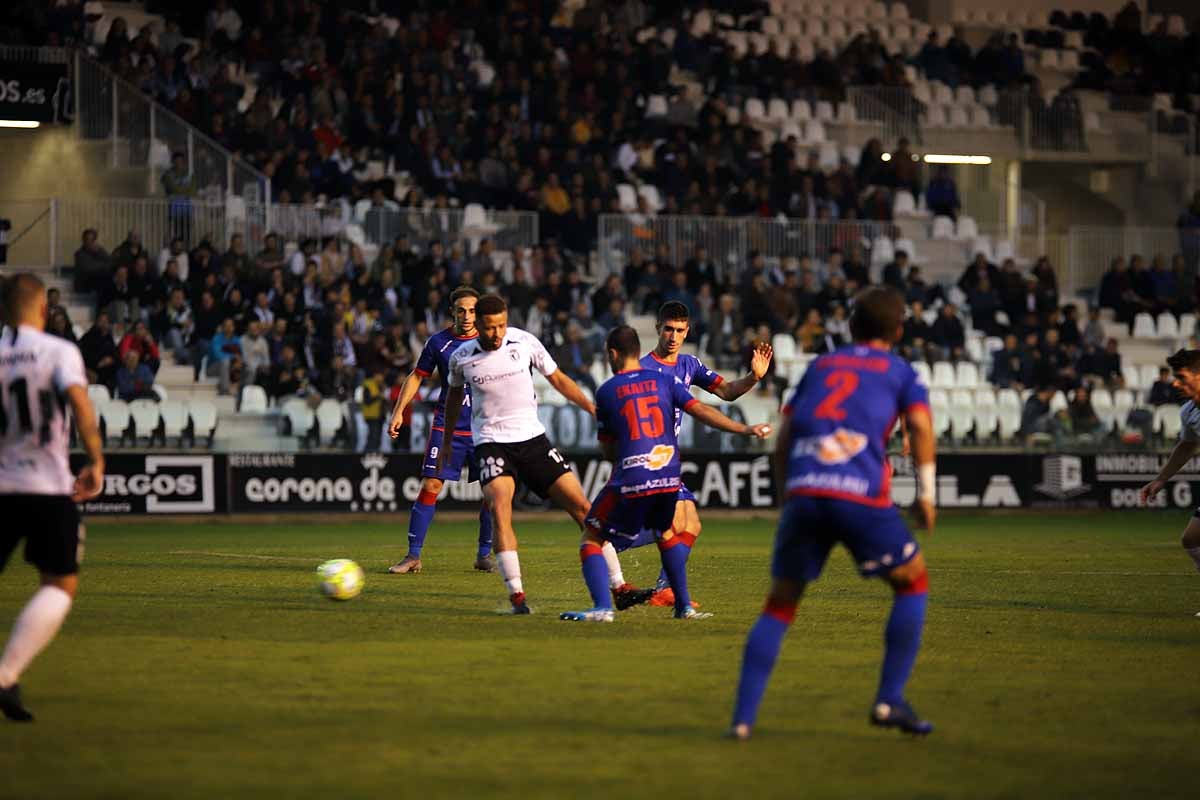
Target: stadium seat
{"type": "Point", "coordinates": [1168, 326]}
{"type": "Point", "coordinates": [145, 419]}
{"type": "Point", "coordinates": [1148, 374]}
{"type": "Point", "coordinates": [161, 391]}
{"type": "Point", "coordinates": [828, 159]}
{"type": "Point", "coordinates": [986, 420]}
{"type": "Point", "coordinates": [988, 96]}
{"type": "Point", "coordinates": [329, 421]}
{"type": "Point", "coordinates": [974, 344]}
{"type": "Point", "coordinates": [882, 251]}
{"type": "Point", "coordinates": [1187, 326]}
{"type": "Point", "coordinates": [964, 96]}
{"type": "Point", "coordinates": [982, 244]}
{"type": "Point", "coordinates": [115, 416]}
{"type": "Point", "coordinates": [299, 417]}
{"type": "Point", "coordinates": [943, 419]}
{"type": "Point", "coordinates": [627, 197]}
{"type": "Point", "coordinates": [1058, 402]}
{"type": "Point", "coordinates": [1167, 421]}
{"type": "Point", "coordinates": [1008, 398]}
{"type": "Point", "coordinates": [770, 26]}
{"type": "Point", "coordinates": [967, 229]}
{"type": "Point", "coordinates": [1048, 59]}
{"type": "Point", "coordinates": [958, 117]}
{"type": "Point", "coordinates": [980, 117]}
{"type": "Point", "coordinates": [943, 227]}
{"type": "Point", "coordinates": [910, 247]}
{"type": "Point", "coordinates": [801, 111]}
{"type": "Point", "coordinates": [1123, 402]}
{"type": "Point", "coordinates": [777, 111]}
{"type": "Point", "coordinates": [962, 422]}
{"type": "Point", "coordinates": [924, 375]}
{"type": "Point", "coordinates": [899, 11]}
{"type": "Point", "coordinates": [846, 115]}
{"type": "Point", "coordinates": [814, 132]}
{"type": "Point", "coordinates": [796, 371]}
{"type": "Point", "coordinates": [98, 393]}
{"type": "Point", "coordinates": [943, 375]}
{"type": "Point", "coordinates": [935, 117]}
{"type": "Point", "coordinates": [650, 194]}
{"type": "Point", "coordinates": [656, 106]}
{"type": "Point", "coordinates": [754, 110]}
{"type": "Point", "coordinates": [1131, 376]}
{"type": "Point", "coordinates": [939, 397]}
{"type": "Point", "coordinates": [904, 204]}
{"type": "Point", "coordinates": [966, 375]}
{"type": "Point", "coordinates": [1143, 327]}
{"type": "Point", "coordinates": [824, 111]}
{"type": "Point", "coordinates": [203, 415]}
{"type": "Point", "coordinates": [1003, 250]}
{"type": "Point", "coordinates": [963, 398]}
{"type": "Point", "coordinates": [1008, 421]}
{"type": "Point", "coordinates": [253, 400]}
{"type": "Point", "coordinates": [784, 345]}
{"type": "Point", "coordinates": [852, 154]}
{"type": "Point", "coordinates": [985, 397]}
{"type": "Point", "coordinates": [174, 419]}
{"type": "Point", "coordinates": [599, 371]}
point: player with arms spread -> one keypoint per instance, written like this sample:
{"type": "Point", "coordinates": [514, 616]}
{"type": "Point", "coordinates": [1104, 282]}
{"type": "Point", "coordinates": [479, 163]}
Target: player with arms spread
{"type": "Point", "coordinates": [1185, 364]}
{"type": "Point", "coordinates": [436, 356]}
{"type": "Point", "coordinates": [510, 440]}
{"type": "Point", "coordinates": [834, 481]}
{"type": "Point", "coordinates": [41, 376]}
{"type": "Point", "coordinates": [635, 415]}
{"type": "Point", "coordinates": [673, 326]}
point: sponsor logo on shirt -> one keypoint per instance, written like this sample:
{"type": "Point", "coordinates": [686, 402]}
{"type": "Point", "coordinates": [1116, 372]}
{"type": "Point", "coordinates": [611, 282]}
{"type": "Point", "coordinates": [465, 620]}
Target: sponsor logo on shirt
{"type": "Point", "coordinates": [482, 379]}
{"type": "Point", "coordinates": [832, 448]}
{"type": "Point", "coordinates": [655, 460]}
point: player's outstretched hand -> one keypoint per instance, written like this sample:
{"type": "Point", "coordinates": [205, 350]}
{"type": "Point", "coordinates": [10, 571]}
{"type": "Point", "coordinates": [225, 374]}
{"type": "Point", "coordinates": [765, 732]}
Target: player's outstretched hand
{"type": "Point", "coordinates": [926, 514]}
{"type": "Point", "coordinates": [758, 431]}
{"type": "Point", "coordinates": [1151, 490]}
{"type": "Point", "coordinates": [88, 483]}
{"type": "Point", "coordinates": [760, 360]}
{"type": "Point", "coordinates": [394, 427]}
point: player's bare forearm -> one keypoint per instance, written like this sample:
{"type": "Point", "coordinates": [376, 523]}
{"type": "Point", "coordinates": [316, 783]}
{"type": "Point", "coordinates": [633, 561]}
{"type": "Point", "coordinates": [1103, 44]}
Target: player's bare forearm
{"type": "Point", "coordinates": [1182, 453]}
{"type": "Point", "coordinates": [715, 419]}
{"type": "Point", "coordinates": [570, 390]}
{"type": "Point", "coordinates": [920, 434]}
{"type": "Point", "coordinates": [408, 390]}
{"type": "Point", "coordinates": [85, 424]}
{"type": "Point", "coordinates": [782, 443]}
{"type": "Point", "coordinates": [732, 390]}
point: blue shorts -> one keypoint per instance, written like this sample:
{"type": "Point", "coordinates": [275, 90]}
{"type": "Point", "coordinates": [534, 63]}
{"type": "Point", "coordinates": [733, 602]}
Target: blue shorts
{"type": "Point", "coordinates": [630, 521]}
{"type": "Point", "coordinates": [648, 536]}
{"type": "Point", "coordinates": [809, 527]}
{"type": "Point", "coordinates": [686, 494]}
{"type": "Point", "coordinates": [464, 449]}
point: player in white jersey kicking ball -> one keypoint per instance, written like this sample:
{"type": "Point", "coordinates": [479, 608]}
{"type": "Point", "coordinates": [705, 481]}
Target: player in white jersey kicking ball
{"type": "Point", "coordinates": [510, 442]}
{"type": "Point", "coordinates": [40, 377]}
{"type": "Point", "coordinates": [1185, 364]}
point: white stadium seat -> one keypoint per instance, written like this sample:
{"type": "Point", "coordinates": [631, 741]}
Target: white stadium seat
{"type": "Point", "coordinates": [1167, 421]}
{"type": "Point", "coordinates": [254, 400]}
{"type": "Point", "coordinates": [924, 375]}
{"type": "Point", "coordinates": [962, 422]}
{"type": "Point", "coordinates": [1143, 327]}
{"type": "Point", "coordinates": [986, 420]}
{"type": "Point", "coordinates": [967, 229]}
{"type": "Point", "coordinates": [174, 418]}
{"type": "Point", "coordinates": [939, 398]}
{"type": "Point", "coordinates": [1008, 421]}
{"type": "Point", "coordinates": [801, 110]}
{"type": "Point", "coordinates": [1008, 398]}
{"type": "Point", "coordinates": [962, 398]}
{"type": "Point", "coordinates": [966, 375]}
{"type": "Point", "coordinates": [1187, 326]}
{"type": "Point", "coordinates": [784, 345]}
{"type": "Point", "coordinates": [1168, 326]}
{"type": "Point", "coordinates": [98, 393]}
{"type": "Point", "coordinates": [204, 418]}
{"type": "Point", "coordinates": [943, 227]}
{"type": "Point", "coordinates": [1149, 374]}
{"type": "Point", "coordinates": [943, 375]}
{"type": "Point", "coordinates": [904, 204]}
{"type": "Point", "coordinates": [1058, 402]}
{"type": "Point", "coordinates": [1131, 376]}
{"type": "Point", "coordinates": [145, 418]}
{"type": "Point", "coordinates": [299, 416]}
{"type": "Point", "coordinates": [329, 420]}
{"type": "Point", "coordinates": [115, 415]}
{"type": "Point", "coordinates": [985, 397]}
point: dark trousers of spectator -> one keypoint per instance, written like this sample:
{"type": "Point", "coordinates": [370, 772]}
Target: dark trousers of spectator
{"type": "Point", "coordinates": [374, 434]}
{"type": "Point", "coordinates": [181, 225]}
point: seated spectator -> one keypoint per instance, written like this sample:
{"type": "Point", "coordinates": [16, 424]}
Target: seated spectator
{"type": "Point", "coordinates": [1165, 285]}
{"type": "Point", "coordinates": [949, 334]}
{"type": "Point", "coordinates": [1007, 365]}
{"type": "Point", "coordinates": [256, 354]}
{"type": "Point", "coordinates": [176, 252]}
{"type": "Point", "coordinates": [918, 335]}
{"type": "Point", "coordinates": [176, 325]}
{"type": "Point", "coordinates": [140, 341]}
{"type": "Point", "coordinates": [810, 336]}
{"type": "Point", "coordinates": [724, 341]}
{"type": "Point", "coordinates": [1093, 333]}
{"type": "Point", "coordinates": [918, 289]}
{"type": "Point", "coordinates": [99, 351]}
{"type": "Point", "coordinates": [225, 356]}
{"type": "Point", "coordinates": [135, 381]}
{"type": "Point", "coordinates": [1162, 391]}
{"type": "Point", "coordinates": [58, 325]}
{"type": "Point", "coordinates": [129, 249]}
{"type": "Point", "coordinates": [575, 355]}
{"type": "Point", "coordinates": [941, 196]}
{"type": "Point", "coordinates": [287, 375]}
{"type": "Point", "coordinates": [372, 409]}
{"type": "Point", "coordinates": [1068, 329]}
{"type": "Point", "coordinates": [895, 270]}
{"type": "Point", "coordinates": [1082, 419]}
{"type": "Point", "coordinates": [985, 302]}
{"type": "Point", "coordinates": [93, 264]}
{"type": "Point", "coordinates": [1036, 416]}
{"type": "Point", "coordinates": [116, 296]}
{"type": "Point", "coordinates": [977, 271]}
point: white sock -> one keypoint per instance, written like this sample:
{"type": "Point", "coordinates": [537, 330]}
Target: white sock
{"type": "Point", "coordinates": [1194, 552]}
{"type": "Point", "coordinates": [39, 621]}
{"type": "Point", "coordinates": [510, 570]}
{"type": "Point", "coordinates": [615, 579]}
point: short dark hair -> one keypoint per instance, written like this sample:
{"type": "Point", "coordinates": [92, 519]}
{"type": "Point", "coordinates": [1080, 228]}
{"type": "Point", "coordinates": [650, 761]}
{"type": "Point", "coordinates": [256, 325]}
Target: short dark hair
{"type": "Point", "coordinates": [18, 293]}
{"type": "Point", "coordinates": [1185, 359]}
{"type": "Point", "coordinates": [463, 291]}
{"type": "Point", "coordinates": [878, 314]}
{"type": "Point", "coordinates": [490, 304]}
{"type": "Point", "coordinates": [673, 310]}
{"type": "Point", "coordinates": [624, 339]}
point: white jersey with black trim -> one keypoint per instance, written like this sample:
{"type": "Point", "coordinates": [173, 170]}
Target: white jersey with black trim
{"type": "Point", "coordinates": [503, 401]}
{"type": "Point", "coordinates": [35, 371]}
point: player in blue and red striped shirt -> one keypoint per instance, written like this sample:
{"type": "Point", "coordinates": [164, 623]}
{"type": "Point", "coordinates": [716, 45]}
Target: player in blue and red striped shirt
{"type": "Point", "coordinates": [635, 416]}
{"type": "Point", "coordinates": [435, 356]}
{"type": "Point", "coordinates": [833, 477]}
{"type": "Point", "coordinates": [673, 325]}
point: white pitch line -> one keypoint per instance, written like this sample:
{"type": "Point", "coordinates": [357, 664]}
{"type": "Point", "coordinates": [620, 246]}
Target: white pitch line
{"type": "Point", "coordinates": [240, 555]}
{"type": "Point", "coordinates": [1065, 572]}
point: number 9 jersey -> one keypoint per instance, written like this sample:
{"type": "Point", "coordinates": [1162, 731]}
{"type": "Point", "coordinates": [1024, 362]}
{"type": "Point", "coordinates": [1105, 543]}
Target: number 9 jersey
{"type": "Point", "coordinates": [841, 415]}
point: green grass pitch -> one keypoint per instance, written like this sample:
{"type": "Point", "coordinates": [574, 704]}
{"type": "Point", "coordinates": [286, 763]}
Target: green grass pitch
{"type": "Point", "coordinates": [1060, 661]}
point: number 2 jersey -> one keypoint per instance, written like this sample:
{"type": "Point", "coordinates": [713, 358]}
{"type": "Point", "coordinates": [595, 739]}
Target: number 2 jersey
{"type": "Point", "coordinates": [635, 410]}
{"type": "Point", "coordinates": [35, 371]}
{"type": "Point", "coordinates": [841, 416]}
{"type": "Point", "coordinates": [435, 355]}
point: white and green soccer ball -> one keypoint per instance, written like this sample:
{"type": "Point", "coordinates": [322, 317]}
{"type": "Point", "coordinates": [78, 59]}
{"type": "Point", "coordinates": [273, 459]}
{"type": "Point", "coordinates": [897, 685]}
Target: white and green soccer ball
{"type": "Point", "coordinates": [341, 579]}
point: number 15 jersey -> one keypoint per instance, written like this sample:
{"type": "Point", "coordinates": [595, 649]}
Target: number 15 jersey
{"type": "Point", "coordinates": [35, 371]}
{"type": "Point", "coordinates": [636, 410]}
{"type": "Point", "coordinates": [841, 415]}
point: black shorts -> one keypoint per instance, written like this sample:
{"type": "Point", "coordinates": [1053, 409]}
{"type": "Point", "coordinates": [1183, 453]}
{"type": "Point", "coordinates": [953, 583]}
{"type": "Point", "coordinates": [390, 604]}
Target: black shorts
{"type": "Point", "coordinates": [536, 462]}
{"type": "Point", "coordinates": [49, 524]}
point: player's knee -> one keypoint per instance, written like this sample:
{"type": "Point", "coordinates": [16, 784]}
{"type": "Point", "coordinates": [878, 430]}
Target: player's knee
{"type": "Point", "coordinates": [910, 578]}
{"type": "Point", "coordinates": [782, 600]}
{"type": "Point", "coordinates": [433, 485]}
{"type": "Point", "coordinates": [1191, 537]}
{"type": "Point", "coordinates": [68, 583]}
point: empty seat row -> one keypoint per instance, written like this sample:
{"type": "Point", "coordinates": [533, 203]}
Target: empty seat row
{"type": "Point", "coordinates": [321, 425]}
{"type": "Point", "coordinates": [1145, 326]}
{"type": "Point", "coordinates": [153, 421]}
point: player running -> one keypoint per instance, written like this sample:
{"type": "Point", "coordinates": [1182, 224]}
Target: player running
{"type": "Point", "coordinates": [40, 377]}
{"type": "Point", "coordinates": [510, 440]}
{"type": "Point", "coordinates": [436, 356]}
{"type": "Point", "coordinates": [632, 413]}
{"type": "Point", "coordinates": [834, 478]}
{"type": "Point", "coordinates": [1185, 364]}
{"type": "Point", "coordinates": [673, 326]}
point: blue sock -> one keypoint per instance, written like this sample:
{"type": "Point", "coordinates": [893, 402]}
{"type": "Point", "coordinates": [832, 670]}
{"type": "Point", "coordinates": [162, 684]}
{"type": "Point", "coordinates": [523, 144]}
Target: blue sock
{"type": "Point", "coordinates": [595, 574]}
{"type": "Point", "coordinates": [674, 559]}
{"type": "Point", "coordinates": [419, 521]}
{"type": "Point", "coordinates": [485, 532]}
{"type": "Point", "coordinates": [902, 640]}
{"type": "Point", "coordinates": [663, 581]}
{"type": "Point", "coordinates": [758, 659]}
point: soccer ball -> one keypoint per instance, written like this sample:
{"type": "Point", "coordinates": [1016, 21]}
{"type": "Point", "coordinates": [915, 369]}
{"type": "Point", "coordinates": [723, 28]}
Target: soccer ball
{"type": "Point", "coordinates": [341, 579]}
